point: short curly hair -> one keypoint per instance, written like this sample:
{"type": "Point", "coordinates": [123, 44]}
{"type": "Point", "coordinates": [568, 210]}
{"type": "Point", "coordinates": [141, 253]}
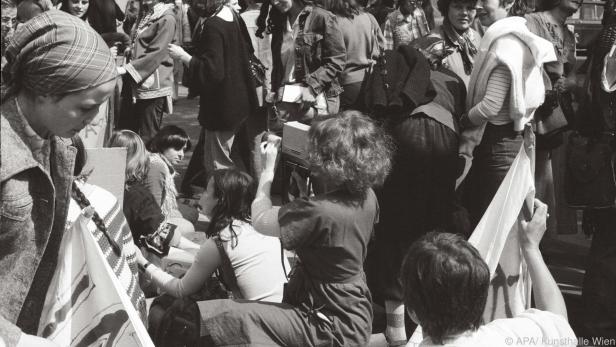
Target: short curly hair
{"type": "Point", "coordinates": [443, 5]}
{"type": "Point", "coordinates": [350, 151]}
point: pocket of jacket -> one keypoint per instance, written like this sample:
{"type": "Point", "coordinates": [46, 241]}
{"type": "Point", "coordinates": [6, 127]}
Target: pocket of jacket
{"type": "Point", "coordinates": [313, 45]}
{"type": "Point", "coordinates": [17, 210]}
{"type": "Point", "coordinates": [15, 217]}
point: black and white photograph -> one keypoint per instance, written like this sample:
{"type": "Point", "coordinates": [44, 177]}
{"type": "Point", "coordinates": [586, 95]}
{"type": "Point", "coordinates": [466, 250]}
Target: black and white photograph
{"type": "Point", "coordinates": [378, 173]}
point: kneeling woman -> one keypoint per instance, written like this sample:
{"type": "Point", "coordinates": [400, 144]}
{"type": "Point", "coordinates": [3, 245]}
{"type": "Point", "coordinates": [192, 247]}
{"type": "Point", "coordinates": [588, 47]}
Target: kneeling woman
{"type": "Point", "coordinates": [254, 258]}
{"type": "Point", "coordinates": [327, 301]}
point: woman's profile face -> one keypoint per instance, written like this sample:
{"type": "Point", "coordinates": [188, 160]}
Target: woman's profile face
{"type": "Point", "coordinates": [66, 116]}
{"type": "Point", "coordinates": [461, 15]}
{"type": "Point", "coordinates": [282, 5]}
{"type": "Point", "coordinates": [208, 201]}
{"type": "Point", "coordinates": [78, 8]}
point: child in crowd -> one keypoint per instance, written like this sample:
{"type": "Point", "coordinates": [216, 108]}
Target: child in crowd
{"type": "Point", "coordinates": [256, 260]}
{"type": "Point", "coordinates": [142, 212]}
{"type": "Point", "coordinates": [446, 283]}
{"type": "Point", "coordinates": [167, 150]}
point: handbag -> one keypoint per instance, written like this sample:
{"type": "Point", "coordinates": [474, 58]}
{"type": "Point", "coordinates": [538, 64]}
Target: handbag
{"type": "Point", "coordinates": [590, 180]}
{"type": "Point", "coordinates": [551, 119]}
{"type": "Point", "coordinates": [257, 70]}
{"type": "Point", "coordinates": [159, 241]}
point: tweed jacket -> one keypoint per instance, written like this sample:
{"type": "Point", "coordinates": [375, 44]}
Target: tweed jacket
{"type": "Point", "coordinates": [33, 210]}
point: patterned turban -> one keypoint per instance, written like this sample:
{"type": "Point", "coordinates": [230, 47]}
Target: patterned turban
{"type": "Point", "coordinates": [56, 53]}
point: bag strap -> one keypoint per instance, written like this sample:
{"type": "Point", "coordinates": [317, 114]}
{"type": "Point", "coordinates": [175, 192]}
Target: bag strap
{"type": "Point", "coordinates": [226, 270]}
{"type": "Point", "coordinates": [284, 267]}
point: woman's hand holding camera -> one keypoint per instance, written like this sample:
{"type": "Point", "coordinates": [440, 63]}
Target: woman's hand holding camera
{"type": "Point", "coordinates": [269, 153]}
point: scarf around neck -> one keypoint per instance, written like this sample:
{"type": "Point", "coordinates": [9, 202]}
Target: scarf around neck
{"type": "Point", "coordinates": [152, 15]}
{"type": "Point", "coordinates": [463, 43]}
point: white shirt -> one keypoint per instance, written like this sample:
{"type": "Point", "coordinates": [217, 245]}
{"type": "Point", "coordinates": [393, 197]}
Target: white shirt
{"type": "Point", "coordinates": [531, 328]}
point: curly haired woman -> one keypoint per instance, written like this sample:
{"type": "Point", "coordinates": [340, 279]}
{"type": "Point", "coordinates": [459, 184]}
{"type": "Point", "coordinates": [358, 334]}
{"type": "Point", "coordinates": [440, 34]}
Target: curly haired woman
{"type": "Point", "coordinates": [327, 301]}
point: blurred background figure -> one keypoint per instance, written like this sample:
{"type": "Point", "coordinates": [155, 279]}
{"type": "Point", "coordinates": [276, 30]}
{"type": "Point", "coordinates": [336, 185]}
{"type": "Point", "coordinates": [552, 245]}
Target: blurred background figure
{"type": "Point", "coordinates": [219, 70]}
{"type": "Point", "coordinates": [407, 23]}
{"type": "Point", "coordinates": [150, 68]}
{"type": "Point", "coordinates": [549, 22]}
{"type": "Point", "coordinates": [183, 38]}
{"type": "Point", "coordinates": [598, 122]}
{"type": "Point", "coordinates": [364, 43]}
{"type": "Point", "coordinates": [9, 22]}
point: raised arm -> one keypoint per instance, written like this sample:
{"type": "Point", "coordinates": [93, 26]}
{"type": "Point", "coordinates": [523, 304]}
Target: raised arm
{"type": "Point", "coordinates": [547, 295]}
{"type": "Point", "coordinates": [264, 215]}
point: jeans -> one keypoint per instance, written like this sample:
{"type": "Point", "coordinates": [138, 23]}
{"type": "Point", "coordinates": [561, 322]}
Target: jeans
{"type": "Point", "coordinates": [492, 159]}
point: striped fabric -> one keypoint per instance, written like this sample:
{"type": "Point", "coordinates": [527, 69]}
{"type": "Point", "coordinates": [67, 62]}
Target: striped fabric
{"type": "Point", "coordinates": [495, 105]}
{"type": "Point", "coordinates": [56, 53]}
{"type": "Point", "coordinates": [125, 267]}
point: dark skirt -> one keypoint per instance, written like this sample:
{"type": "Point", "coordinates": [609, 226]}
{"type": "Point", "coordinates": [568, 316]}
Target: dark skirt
{"type": "Point", "coordinates": [417, 197]}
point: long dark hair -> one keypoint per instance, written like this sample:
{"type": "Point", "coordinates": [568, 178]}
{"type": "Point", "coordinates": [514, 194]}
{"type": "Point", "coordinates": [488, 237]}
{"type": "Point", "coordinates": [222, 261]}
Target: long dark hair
{"type": "Point", "coordinates": [235, 191]}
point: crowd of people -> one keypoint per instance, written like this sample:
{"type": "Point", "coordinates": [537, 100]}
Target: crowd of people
{"type": "Point", "coordinates": [413, 124]}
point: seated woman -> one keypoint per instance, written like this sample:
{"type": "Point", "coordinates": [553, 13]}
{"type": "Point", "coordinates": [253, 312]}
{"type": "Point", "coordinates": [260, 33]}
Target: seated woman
{"type": "Point", "coordinates": [327, 301]}
{"type": "Point", "coordinates": [254, 258]}
{"type": "Point", "coordinates": [140, 208]}
{"type": "Point", "coordinates": [446, 285]}
{"type": "Point", "coordinates": [167, 149]}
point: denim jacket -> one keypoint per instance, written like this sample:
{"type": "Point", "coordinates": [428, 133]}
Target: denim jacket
{"type": "Point", "coordinates": [33, 209]}
{"type": "Point", "coordinates": [320, 49]}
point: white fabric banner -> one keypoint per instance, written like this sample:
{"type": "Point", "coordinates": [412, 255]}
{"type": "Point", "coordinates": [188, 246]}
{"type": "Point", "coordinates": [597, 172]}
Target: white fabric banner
{"type": "Point", "coordinates": [89, 306]}
{"type": "Point", "coordinates": [497, 239]}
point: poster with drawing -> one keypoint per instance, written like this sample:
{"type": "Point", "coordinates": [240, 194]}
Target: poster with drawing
{"type": "Point", "coordinates": [87, 305]}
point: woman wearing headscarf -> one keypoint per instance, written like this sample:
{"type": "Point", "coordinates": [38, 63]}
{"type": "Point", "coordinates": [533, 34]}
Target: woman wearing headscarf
{"type": "Point", "coordinates": [59, 72]}
{"type": "Point", "coordinates": [150, 68]}
{"type": "Point", "coordinates": [453, 44]}
{"type": "Point", "coordinates": [96, 133]}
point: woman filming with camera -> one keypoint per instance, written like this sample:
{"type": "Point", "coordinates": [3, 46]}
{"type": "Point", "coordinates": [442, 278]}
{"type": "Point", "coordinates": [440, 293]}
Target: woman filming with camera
{"type": "Point", "coordinates": [327, 301]}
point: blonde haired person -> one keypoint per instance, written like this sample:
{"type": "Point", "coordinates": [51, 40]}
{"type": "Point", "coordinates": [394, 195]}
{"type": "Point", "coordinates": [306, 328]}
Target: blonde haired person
{"type": "Point", "coordinates": [142, 212]}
